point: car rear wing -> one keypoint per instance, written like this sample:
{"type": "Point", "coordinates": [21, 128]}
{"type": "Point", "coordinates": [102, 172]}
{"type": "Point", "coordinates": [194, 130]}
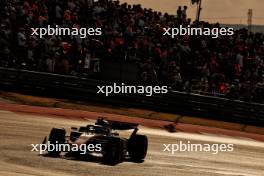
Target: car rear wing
{"type": "Point", "coordinates": [116, 125]}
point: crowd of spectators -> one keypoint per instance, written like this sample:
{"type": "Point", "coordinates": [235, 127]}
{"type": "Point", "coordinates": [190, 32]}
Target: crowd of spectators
{"type": "Point", "coordinates": [228, 65]}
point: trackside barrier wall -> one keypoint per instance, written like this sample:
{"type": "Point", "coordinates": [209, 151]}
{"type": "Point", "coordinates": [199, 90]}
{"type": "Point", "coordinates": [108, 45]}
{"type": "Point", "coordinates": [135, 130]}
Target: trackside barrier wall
{"type": "Point", "coordinates": [175, 102]}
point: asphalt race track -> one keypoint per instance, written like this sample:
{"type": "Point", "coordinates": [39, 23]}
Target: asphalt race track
{"type": "Point", "coordinates": [18, 131]}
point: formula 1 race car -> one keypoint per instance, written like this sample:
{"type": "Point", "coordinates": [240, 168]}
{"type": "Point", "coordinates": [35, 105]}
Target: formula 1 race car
{"type": "Point", "coordinates": [101, 140]}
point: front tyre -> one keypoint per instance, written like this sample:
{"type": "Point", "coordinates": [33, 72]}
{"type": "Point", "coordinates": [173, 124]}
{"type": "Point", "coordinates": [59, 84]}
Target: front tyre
{"type": "Point", "coordinates": [57, 136]}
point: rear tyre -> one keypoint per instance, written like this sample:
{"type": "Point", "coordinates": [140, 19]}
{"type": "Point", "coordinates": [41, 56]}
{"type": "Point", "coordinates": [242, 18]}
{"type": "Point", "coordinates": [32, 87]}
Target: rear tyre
{"type": "Point", "coordinates": [138, 147]}
{"type": "Point", "coordinates": [114, 151]}
{"type": "Point", "coordinates": [57, 136]}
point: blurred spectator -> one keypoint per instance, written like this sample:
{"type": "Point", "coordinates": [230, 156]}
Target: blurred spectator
{"type": "Point", "coordinates": [228, 65]}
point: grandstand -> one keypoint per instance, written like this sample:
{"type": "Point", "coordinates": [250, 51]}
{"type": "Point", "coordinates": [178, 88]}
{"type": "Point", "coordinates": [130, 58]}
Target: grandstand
{"type": "Point", "coordinates": [230, 66]}
{"type": "Point", "coordinates": [255, 28]}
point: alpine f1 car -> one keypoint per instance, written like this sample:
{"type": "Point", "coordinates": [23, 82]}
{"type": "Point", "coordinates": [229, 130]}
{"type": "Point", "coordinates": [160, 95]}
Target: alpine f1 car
{"type": "Point", "coordinates": [101, 140]}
